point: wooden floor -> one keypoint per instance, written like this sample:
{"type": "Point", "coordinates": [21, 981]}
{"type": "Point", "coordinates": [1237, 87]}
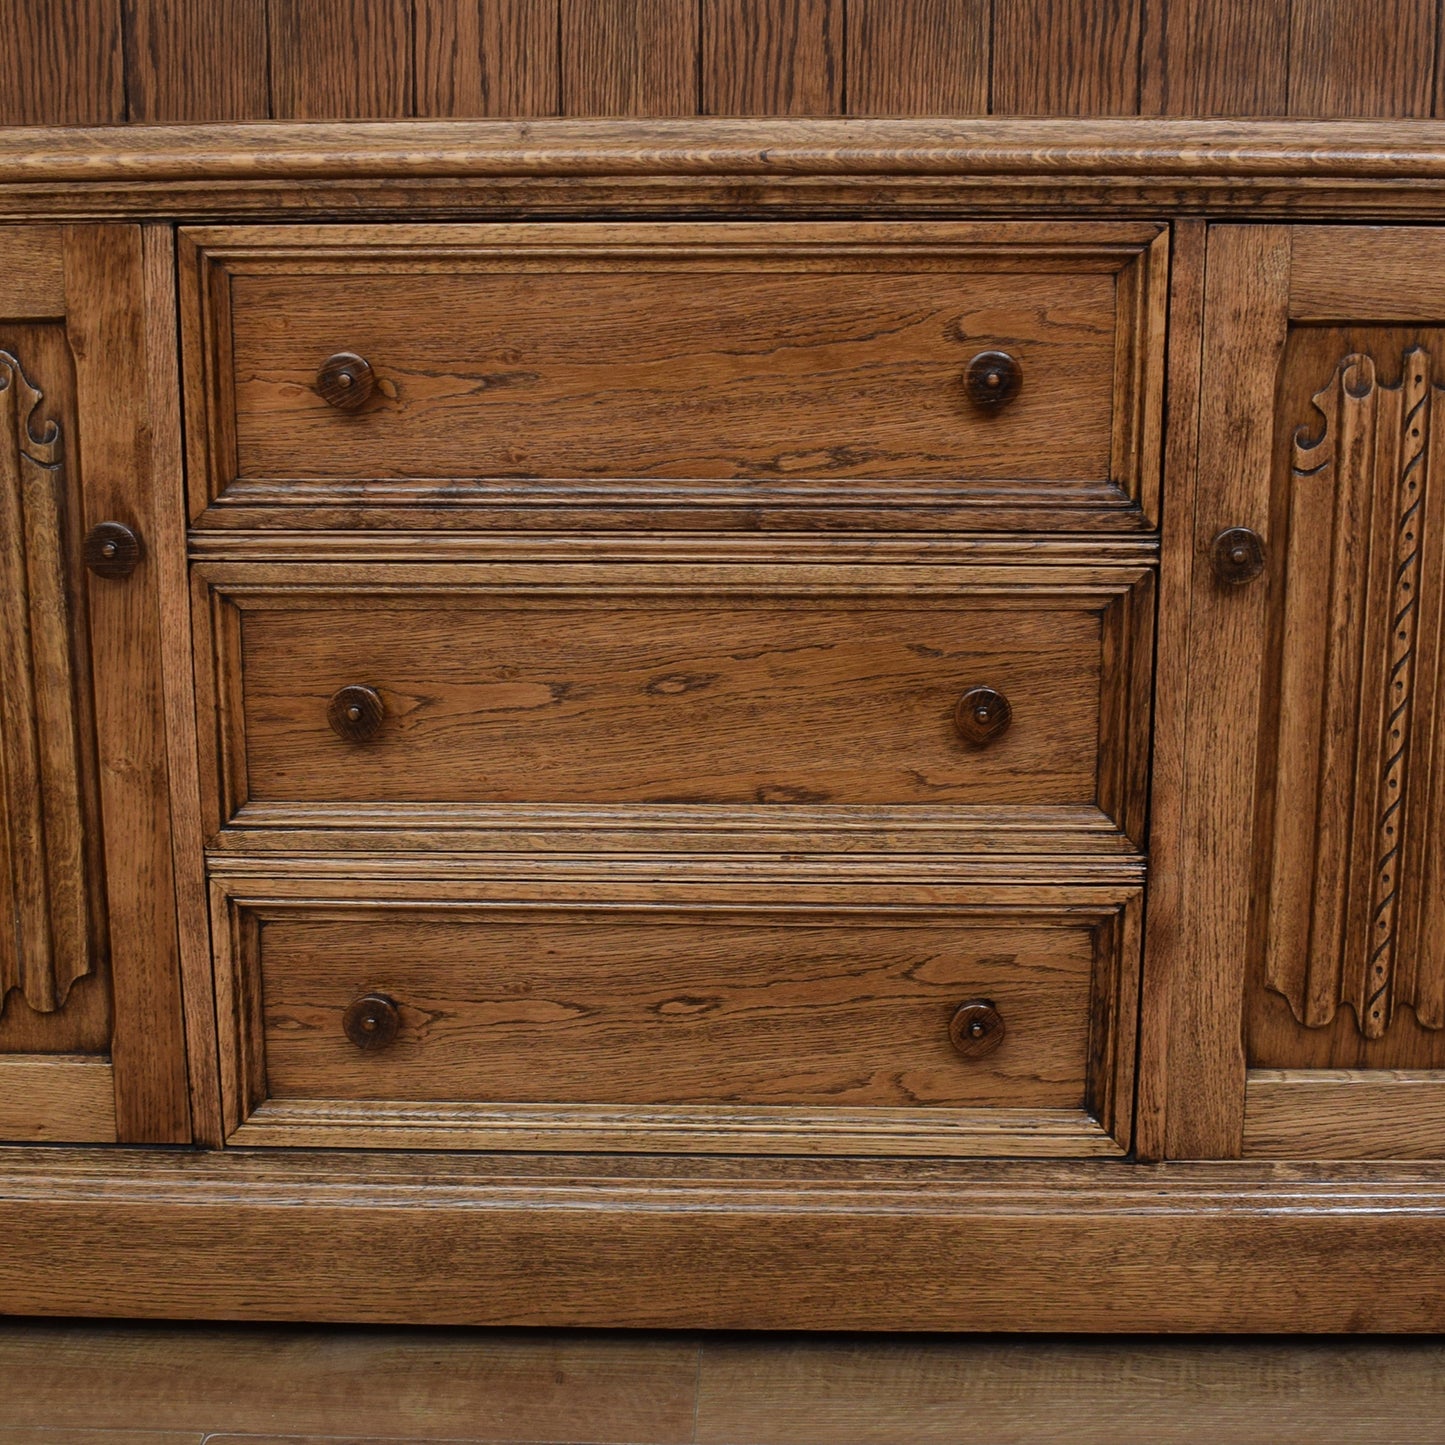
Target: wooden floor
{"type": "Point", "coordinates": [83, 1384]}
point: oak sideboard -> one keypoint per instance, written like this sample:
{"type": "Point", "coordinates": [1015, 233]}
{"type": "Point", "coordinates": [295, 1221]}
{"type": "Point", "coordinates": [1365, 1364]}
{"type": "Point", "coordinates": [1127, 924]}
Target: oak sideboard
{"type": "Point", "coordinates": [719, 723]}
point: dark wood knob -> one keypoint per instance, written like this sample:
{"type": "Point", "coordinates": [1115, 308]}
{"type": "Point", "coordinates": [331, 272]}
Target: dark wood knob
{"type": "Point", "coordinates": [112, 550]}
{"type": "Point", "coordinates": [356, 713]}
{"type": "Point", "coordinates": [1238, 555]}
{"type": "Point", "coordinates": [372, 1021]}
{"type": "Point", "coordinates": [976, 1029]}
{"type": "Point", "coordinates": [993, 379]}
{"type": "Point", "coordinates": [982, 715]}
{"type": "Point", "coordinates": [346, 380]}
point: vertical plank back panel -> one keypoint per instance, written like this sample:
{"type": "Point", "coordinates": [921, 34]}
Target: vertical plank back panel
{"type": "Point", "coordinates": [61, 64]}
{"type": "Point", "coordinates": [930, 57]}
{"type": "Point", "coordinates": [629, 57]}
{"type": "Point", "coordinates": [486, 57]}
{"type": "Point", "coordinates": [340, 59]}
{"type": "Point", "coordinates": [196, 60]}
{"type": "Point", "coordinates": [1066, 57]}
{"type": "Point", "coordinates": [1348, 59]}
{"type": "Point", "coordinates": [772, 57]}
{"type": "Point", "coordinates": [1215, 57]}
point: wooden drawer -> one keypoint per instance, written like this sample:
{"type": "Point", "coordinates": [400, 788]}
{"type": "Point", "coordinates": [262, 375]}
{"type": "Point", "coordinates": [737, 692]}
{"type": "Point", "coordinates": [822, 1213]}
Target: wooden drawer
{"type": "Point", "coordinates": [591, 1014]}
{"type": "Point", "coordinates": [722, 375]}
{"type": "Point", "coordinates": [492, 691]}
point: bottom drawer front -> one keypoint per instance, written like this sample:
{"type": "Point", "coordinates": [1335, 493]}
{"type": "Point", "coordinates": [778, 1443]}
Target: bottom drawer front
{"type": "Point", "coordinates": [501, 1024]}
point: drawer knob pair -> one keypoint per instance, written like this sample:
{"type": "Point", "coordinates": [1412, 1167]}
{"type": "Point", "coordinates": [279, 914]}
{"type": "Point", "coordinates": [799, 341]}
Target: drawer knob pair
{"type": "Point", "coordinates": [346, 380]}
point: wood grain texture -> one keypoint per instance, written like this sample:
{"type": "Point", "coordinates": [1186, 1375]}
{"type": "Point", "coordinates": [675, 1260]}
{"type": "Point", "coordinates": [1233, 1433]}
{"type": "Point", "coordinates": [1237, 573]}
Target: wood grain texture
{"type": "Point", "coordinates": [630, 57]}
{"type": "Point", "coordinates": [1030, 168]}
{"type": "Point", "coordinates": [340, 58]}
{"type": "Point", "coordinates": [689, 700]}
{"type": "Point", "coordinates": [1353, 918]}
{"type": "Point", "coordinates": [1347, 61]}
{"type": "Point", "coordinates": [189, 60]}
{"type": "Point", "coordinates": [713, 408]}
{"type": "Point", "coordinates": [32, 277]}
{"type": "Point", "coordinates": [441, 1385]}
{"type": "Point", "coordinates": [44, 1436]}
{"type": "Point", "coordinates": [1065, 57]}
{"type": "Point", "coordinates": [487, 57]}
{"type": "Point", "coordinates": [1169, 757]}
{"type": "Point", "coordinates": [929, 57]}
{"type": "Point", "coordinates": [719, 1243]}
{"type": "Point", "coordinates": [56, 1099]}
{"type": "Point", "coordinates": [1244, 325]}
{"type": "Point", "coordinates": [178, 685]}
{"type": "Point", "coordinates": [526, 1007]}
{"type": "Point", "coordinates": [571, 1006]}
{"type": "Point", "coordinates": [1344, 1114]}
{"type": "Point", "coordinates": [45, 874]}
{"type": "Point", "coordinates": [108, 306]}
{"type": "Point", "coordinates": [83, 1024]}
{"type": "Point", "coordinates": [1340, 274]}
{"type": "Point", "coordinates": [1090, 1392]}
{"type": "Point", "coordinates": [772, 57]}
{"type": "Point", "coordinates": [1215, 57]}
{"type": "Point", "coordinates": [301, 1386]}
{"type": "Point", "coordinates": [61, 64]}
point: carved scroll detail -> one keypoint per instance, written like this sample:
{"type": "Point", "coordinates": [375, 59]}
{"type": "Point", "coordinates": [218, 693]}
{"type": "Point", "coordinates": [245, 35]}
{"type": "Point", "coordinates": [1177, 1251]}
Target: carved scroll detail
{"type": "Point", "coordinates": [44, 934]}
{"type": "Point", "coordinates": [1357, 914]}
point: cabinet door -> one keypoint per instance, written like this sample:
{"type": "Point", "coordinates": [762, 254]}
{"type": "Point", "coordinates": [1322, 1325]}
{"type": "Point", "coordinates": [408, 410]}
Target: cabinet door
{"type": "Point", "coordinates": [91, 1044]}
{"type": "Point", "coordinates": [1300, 956]}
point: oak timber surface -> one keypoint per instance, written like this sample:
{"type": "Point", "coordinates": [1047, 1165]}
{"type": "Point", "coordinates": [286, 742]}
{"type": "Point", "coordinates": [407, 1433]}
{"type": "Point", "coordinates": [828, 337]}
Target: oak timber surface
{"type": "Point", "coordinates": [685, 366]}
{"type": "Point", "coordinates": [164, 1385]}
{"type": "Point", "coordinates": [180, 60]}
{"type": "Point", "coordinates": [677, 1010]}
{"type": "Point", "coordinates": [698, 700]}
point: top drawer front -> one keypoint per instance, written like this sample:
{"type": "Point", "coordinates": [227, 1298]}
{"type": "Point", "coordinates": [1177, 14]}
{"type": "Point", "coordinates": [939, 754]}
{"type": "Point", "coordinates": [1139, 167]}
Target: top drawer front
{"type": "Point", "coordinates": [715, 375]}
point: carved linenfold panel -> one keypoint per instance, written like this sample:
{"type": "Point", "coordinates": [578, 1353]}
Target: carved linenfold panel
{"type": "Point", "coordinates": [44, 932]}
{"type": "Point", "coordinates": [1356, 909]}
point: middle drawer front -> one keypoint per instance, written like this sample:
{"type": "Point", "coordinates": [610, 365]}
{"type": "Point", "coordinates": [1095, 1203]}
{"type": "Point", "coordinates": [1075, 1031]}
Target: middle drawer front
{"type": "Point", "coordinates": [950, 687]}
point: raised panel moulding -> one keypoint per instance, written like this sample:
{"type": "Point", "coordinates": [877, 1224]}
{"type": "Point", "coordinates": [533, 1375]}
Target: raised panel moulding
{"type": "Point", "coordinates": [44, 934]}
{"type": "Point", "coordinates": [1357, 908]}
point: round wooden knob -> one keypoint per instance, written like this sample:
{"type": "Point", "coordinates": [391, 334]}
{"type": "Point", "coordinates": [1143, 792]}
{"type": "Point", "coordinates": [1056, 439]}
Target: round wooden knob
{"type": "Point", "coordinates": [982, 715]}
{"type": "Point", "coordinates": [993, 379]}
{"type": "Point", "coordinates": [1238, 555]}
{"type": "Point", "coordinates": [346, 380]}
{"type": "Point", "coordinates": [111, 550]}
{"type": "Point", "coordinates": [976, 1029]}
{"type": "Point", "coordinates": [356, 713]}
{"type": "Point", "coordinates": [372, 1021]}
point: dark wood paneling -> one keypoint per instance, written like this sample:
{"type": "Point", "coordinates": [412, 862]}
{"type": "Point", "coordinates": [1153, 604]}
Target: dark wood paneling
{"type": "Point", "coordinates": [61, 64]}
{"type": "Point", "coordinates": [191, 60]}
{"type": "Point", "coordinates": [928, 57]}
{"type": "Point", "coordinates": [629, 57]}
{"type": "Point", "coordinates": [1348, 59]}
{"type": "Point", "coordinates": [487, 57]}
{"type": "Point", "coordinates": [1066, 57]}
{"type": "Point", "coordinates": [340, 58]}
{"type": "Point", "coordinates": [1215, 57]}
{"type": "Point", "coordinates": [772, 57]}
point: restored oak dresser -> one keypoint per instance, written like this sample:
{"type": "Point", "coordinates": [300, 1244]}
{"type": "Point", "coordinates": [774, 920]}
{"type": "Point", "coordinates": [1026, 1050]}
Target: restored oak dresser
{"type": "Point", "coordinates": [819, 723]}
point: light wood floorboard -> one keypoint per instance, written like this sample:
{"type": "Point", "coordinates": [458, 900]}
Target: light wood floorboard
{"type": "Point", "coordinates": [74, 1383]}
